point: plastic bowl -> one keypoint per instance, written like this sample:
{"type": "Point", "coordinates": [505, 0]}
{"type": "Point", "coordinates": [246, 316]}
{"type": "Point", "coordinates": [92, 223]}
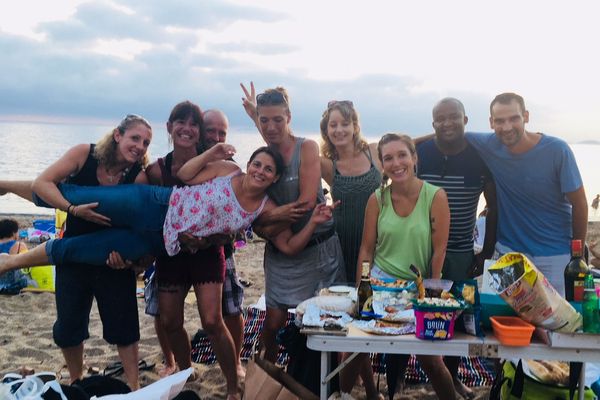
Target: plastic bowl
{"type": "Point", "coordinates": [493, 304]}
{"type": "Point", "coordinates": [512, 331]}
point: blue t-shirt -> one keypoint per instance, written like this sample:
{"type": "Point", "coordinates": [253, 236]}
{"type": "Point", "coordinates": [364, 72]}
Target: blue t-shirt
{"type": "Point", "coordinates": [463, 177]}
{"type": "Point", "coordinates": [534, 215]}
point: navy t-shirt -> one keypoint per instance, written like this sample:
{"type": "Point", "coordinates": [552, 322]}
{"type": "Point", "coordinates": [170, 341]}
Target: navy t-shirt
{"type": "Point", "coordinates": [463, 177]}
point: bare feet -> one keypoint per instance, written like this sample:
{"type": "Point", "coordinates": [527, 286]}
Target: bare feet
{"type": "Point", "coordinates": [241, 372]}
{"type": "Point", "coordinates": [167, 370]}
{"type": "Point", "coordinates": [195, 375]}
{"type": "Point", "coordinates": [464, 391]}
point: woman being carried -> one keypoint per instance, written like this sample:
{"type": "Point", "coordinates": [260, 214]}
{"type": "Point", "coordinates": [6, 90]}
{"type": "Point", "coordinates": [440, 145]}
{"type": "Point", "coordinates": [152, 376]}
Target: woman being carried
{"type": "Point", "coordinates": [217, 203]}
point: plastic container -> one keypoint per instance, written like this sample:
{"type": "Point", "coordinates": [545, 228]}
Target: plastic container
{"type": "Point", "coordinates": [512, 331]}
{"type": "Point", "coordinates": [493, 304]}
{"type": "Point", "coordinates": [435, 323]}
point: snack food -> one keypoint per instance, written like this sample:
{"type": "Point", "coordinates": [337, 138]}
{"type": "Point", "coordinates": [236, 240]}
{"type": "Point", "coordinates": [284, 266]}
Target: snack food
{"type": "Point", "coordinates": [530, 294]}
{"type": "Point", "coordinates": [550, 372]}
{"type": "Point", "coordinates": [393, 284]}
{"type": "Point", "coordinates": [438, 302]}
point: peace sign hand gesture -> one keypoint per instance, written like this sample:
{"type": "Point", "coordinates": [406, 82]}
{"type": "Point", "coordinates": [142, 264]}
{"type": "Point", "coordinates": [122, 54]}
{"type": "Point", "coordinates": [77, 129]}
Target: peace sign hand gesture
{"type": "Point", "coordinates": [249, 101]}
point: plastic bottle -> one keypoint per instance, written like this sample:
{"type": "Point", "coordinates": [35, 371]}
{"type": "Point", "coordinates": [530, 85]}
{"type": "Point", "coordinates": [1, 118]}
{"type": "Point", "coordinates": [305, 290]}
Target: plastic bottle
{"type": "Point", "coordinates": [591, 314]}
{"type": "Point", "coordinates": [575, 273]}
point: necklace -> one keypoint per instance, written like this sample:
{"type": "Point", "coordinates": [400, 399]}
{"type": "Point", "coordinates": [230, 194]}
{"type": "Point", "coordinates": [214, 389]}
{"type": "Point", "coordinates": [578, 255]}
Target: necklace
{"type": "Point", "coordinates": [118, 175]}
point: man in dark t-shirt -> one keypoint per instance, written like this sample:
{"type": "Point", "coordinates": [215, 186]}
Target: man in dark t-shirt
{"type": "Point", "coordinates": [448, 161]}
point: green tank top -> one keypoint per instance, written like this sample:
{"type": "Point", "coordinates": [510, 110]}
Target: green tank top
{"type": "Point", "coordinates": [402, 241]}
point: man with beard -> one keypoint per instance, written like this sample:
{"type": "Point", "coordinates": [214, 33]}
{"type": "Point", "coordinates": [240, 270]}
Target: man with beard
{"type": "Point", "coordinates": [541, 198]}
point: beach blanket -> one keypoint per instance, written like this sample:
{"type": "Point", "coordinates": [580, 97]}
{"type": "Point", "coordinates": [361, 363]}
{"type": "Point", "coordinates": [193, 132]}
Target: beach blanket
{"type": "Point", "coordinates": [472, 371]}
{"type": "Point", "coordinates": [253, 323]}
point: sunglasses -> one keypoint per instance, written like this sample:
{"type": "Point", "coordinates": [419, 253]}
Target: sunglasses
{"type": "Point", "coordinates": [129, 118]}
{"type": "Point", "coordinates": [270, 98]}
{"type": "Point", "coordinates": [340, 102]}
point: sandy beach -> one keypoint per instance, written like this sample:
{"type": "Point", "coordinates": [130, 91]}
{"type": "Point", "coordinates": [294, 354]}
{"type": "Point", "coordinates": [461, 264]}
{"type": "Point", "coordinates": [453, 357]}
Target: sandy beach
{"type": "Point", "coordinates": [26, 332]}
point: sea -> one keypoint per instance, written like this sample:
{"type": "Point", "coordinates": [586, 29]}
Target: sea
{"type": "Point", "coordinates": [26, 149]}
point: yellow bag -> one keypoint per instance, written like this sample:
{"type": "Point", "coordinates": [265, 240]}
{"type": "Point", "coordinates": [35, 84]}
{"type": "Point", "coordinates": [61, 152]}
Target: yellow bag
{"type": "Point", "coordinates": [529, 293]}
{"type": "Point", "coordinates": [44, 277]}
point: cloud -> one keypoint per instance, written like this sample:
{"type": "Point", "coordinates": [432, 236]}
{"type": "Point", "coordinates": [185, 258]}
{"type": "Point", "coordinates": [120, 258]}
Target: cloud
{"type": "Point", "coordinates": [252, 47]}
{"type": "Point", "coordinates": [204, 14]}
{"type": "Point", "coordinates": [65, 76]}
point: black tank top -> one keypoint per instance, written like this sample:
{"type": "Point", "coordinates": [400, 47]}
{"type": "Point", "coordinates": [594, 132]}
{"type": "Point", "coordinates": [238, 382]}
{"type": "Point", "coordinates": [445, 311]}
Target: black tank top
{"type": "Point", "coordinates": [87, 176]}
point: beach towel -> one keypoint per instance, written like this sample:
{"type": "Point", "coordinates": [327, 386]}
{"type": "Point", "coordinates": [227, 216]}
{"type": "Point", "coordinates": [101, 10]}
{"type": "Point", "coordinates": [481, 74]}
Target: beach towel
{"type": "Point", "coordinates": [253, 323]}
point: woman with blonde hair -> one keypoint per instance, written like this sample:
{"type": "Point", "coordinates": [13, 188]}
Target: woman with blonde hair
{"type": "Point", "coordinates": [118, 158]}
{"type": "Point", "coordinates": [352, 170]}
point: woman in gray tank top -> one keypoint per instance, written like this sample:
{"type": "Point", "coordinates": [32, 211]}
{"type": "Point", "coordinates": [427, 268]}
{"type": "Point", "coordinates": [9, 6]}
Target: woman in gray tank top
{"type": "Point", "coordinates": [290, 280]}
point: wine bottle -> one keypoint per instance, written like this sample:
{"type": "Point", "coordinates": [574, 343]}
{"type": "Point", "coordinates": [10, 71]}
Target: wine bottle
{"type": "Point", "coordinates": [365, 291]}
{"type": "Point", "coordinates": [575, 273]}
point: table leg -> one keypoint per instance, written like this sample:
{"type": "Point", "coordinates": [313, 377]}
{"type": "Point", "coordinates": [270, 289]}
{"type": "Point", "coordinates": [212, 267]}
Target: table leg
{"type": "Point", "coordinates": [581, 390]}
{"type": "Point", "coordinates": [324, 371]}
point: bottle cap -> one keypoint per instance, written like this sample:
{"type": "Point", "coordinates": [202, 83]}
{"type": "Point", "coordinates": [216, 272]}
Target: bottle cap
{"type": "Point", "coordinates": [576, 246]}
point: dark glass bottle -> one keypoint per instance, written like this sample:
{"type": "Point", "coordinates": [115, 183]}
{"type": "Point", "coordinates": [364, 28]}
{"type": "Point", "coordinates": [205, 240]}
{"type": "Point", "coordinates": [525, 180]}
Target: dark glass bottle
{"type": "Point", "coordinates": [575, 273]}
{"type": "Point", "coordinates": [365, 291]}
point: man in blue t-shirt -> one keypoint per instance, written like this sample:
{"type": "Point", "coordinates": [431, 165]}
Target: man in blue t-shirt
{"type": "Point", "coordinates": [541, 199]}
{"type": "Point", "coordinates": [448, 161]}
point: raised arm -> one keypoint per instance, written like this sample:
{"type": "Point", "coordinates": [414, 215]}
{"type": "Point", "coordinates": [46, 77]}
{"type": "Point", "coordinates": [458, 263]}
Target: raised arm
{"type": "Point", "coordinates": [249, 103]}
{"type": "Point", "coordinates": [46, 187]}
{"type": "Point", "coordinates": [208, 165]}
{"type": "Point", "coordinates": [440, 228]}
{"type": "Point", "coordinates": [369, 237]}
{"type": "Point", "coordinates": [579, 213]}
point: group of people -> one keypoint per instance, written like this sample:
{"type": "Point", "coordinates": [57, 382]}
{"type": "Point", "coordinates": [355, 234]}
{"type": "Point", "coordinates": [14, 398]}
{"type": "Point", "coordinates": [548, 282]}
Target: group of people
{"type": "Point", "coordinates": [396, 203]}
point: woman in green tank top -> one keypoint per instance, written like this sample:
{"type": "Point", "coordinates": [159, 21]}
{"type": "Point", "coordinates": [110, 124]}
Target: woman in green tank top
{"type": "Point", "coordinates": [407, 223]}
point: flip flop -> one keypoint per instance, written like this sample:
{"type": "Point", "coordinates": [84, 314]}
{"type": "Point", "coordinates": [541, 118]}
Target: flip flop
{"type": "Point", "coordinates": [245, 283]}
{"type": "Point", "coordinates": [144, 366]}
{"type": "Point", "coordinates": [114, 369]}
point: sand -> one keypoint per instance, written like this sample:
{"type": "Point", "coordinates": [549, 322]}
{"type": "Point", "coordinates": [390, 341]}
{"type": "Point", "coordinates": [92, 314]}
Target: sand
{"type": "Point", "coordinates": [26, 332]}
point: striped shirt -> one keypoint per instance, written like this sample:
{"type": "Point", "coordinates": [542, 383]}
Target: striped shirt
{"type": "Point", "coordinates": [463, 177]}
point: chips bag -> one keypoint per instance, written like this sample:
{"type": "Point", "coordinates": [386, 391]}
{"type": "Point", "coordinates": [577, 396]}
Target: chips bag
{"type": "Point", "coordinates": [529, 293]}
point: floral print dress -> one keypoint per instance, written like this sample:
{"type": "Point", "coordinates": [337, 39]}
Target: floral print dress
{"type": "Point", "coordinates": [204, 210]}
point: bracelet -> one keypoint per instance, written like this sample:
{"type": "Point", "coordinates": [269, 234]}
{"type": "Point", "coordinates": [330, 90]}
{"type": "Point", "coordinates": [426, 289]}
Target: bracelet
{"type": "Point", "coordinates": [69, 209]}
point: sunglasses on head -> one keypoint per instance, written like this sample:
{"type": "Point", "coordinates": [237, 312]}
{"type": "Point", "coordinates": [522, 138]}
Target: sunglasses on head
{"type": "Point", "coordinates": [268, 98]}
{"type": "Point", "coordinates": [340, 102]}
{"type": "Point", "coordinates": [132, 118]}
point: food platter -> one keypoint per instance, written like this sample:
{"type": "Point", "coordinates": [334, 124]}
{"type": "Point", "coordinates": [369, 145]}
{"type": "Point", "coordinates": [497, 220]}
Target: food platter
{"type": "Point", "coordinates": [394, 285]}
{"type": "Point", "coordinates": [382, 328]}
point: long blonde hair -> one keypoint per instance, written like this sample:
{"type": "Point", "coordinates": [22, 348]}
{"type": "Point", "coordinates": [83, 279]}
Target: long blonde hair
{"type": "Point", "coordinates": [106, 148]}
{"type": "Point", "coordinates": [349, 113]}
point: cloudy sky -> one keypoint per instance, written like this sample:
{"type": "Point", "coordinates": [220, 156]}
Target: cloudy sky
{"type": "Point", "coordinates": [73, 60]}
